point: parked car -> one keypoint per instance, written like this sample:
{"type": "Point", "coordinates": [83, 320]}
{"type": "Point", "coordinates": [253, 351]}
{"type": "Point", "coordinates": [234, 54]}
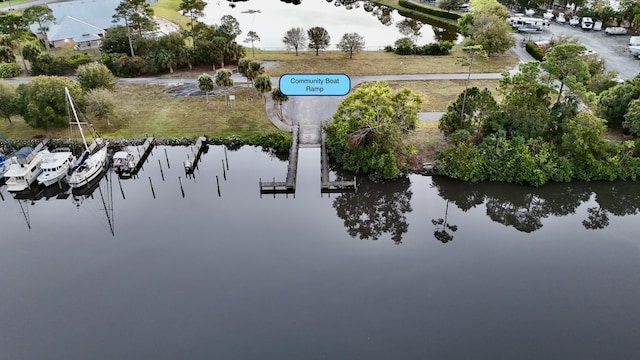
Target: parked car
{"type": "Point", "coordinates": [574, 21]}
{"type": "Point", "coordinates": [560, 19]}
{"type": "Point", "coordinates": [615, 30]}
{"type": "Point", "coordinates": [586, 23]}
{"type": "Point", "coordinates": [634, 45]}
{"type": "Point", "coordinates": [548, 15]}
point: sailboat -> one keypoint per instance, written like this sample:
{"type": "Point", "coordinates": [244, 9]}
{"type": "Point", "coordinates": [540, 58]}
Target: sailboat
{"type": "Point", "coordinates": [93, 161]}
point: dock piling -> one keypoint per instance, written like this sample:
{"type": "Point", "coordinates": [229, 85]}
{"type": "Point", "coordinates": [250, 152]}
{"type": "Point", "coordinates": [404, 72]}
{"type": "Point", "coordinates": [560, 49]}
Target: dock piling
{"type": "Point", "coordinates": [161, 172]}
{"type": "Point", "coordinates": [181, 188]}
{"type": "Point", "coordinates": [224, 172]}
{"type": "Point", "coordinates": [167, 157]}
{"type": "Point", "coordinates": [218, 183]}
{"type": "Point", "coordinates": [153, 192]}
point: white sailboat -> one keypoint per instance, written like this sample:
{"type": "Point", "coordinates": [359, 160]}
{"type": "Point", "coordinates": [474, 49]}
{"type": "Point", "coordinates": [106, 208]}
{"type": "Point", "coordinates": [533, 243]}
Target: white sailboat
{"type": "Point", "coordinates": [93, 161]}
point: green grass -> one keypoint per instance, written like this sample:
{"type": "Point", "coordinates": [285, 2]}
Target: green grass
{"type": "Point", "coordinates": [145, 110]}
{"type": "Point", "coordinates": [438, 94]}
{"type": "Point", "coordinates": [377, 63]}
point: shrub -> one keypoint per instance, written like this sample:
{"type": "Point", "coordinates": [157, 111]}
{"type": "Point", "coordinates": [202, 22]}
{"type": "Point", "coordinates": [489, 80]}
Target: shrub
{"type": "Point", "coordinates": [10, 70]}
{"type": "Point", "coordinates": [535, 51]}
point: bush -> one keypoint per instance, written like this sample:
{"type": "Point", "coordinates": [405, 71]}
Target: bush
{"type": "Point", "coordinates": [535, 51]}
{"type": "Point", "coordinates": [10, 70]}
{"type": "Point", "coordinates": [435, 49]}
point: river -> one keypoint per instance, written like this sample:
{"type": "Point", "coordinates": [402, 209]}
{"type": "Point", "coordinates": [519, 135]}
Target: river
{"type": "Point", "coordinates": [412, 269]}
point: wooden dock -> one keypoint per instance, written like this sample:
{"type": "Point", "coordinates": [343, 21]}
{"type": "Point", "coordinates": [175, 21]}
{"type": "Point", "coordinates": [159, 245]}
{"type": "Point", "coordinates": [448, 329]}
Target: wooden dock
{"type": "Point", "coordinates": [288, 186]}
{"type": "Point", "coordinates": [327, 186]}
{"type": "Point", "coordinates": [141, 156]}
{"type": "Point", "coordinates": [193, 157]}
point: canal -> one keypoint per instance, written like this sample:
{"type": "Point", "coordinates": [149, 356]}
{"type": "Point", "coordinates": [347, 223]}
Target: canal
{"type": "Point", "coordinates": [417, 268]}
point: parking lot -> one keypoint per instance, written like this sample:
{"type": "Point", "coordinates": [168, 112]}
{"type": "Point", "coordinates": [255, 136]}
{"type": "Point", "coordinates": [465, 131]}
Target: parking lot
{"type": "Point", "coordinates": [612, 48]}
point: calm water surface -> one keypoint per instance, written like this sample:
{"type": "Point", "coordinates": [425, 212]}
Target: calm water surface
{"type": "Point", "coordinates": [551, 273]}
{"type": "Point", "coordinates": [375, 23]}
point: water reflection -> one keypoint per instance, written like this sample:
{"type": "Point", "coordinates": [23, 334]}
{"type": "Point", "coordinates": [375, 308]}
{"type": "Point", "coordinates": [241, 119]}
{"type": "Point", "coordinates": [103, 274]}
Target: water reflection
{"type": "Point", "coordinates": [525, 208]}
{"type": "Point", "coordinates": [271, 19]}
{"type": "Point", "coordinates": [376, 209]}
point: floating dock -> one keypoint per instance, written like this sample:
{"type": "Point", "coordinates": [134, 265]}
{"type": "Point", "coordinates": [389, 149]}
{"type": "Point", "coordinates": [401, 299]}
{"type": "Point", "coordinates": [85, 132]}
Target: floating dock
{"type": "Point", "coordinates": [193, 157]}
{"type": "Point", "coordinates": [327, 186]}
{"type": "Point", "coordinates": [288, 186]}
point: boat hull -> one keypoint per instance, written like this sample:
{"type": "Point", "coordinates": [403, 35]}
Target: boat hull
{"type": "Point", "coordinates": [93, 167]}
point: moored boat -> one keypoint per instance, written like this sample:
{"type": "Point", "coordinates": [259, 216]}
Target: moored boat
{"type": "Point", "coordinates": [55, 166]}
{"type": "Point", "coordinates": [122, 162]}
{"type": "Point", "coordinates": [93, 161]}
{"type": "Point", "coordinates": [24, 168]}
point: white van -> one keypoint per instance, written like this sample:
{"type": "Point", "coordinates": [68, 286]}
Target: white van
{"type": "Point", "coordinates": [634, 45]}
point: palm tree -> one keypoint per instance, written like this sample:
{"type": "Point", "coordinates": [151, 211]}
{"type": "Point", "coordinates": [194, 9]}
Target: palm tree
{"type": "Point", "coordinates": [205, 83]}
{"type": "Point", "coordinates": [223, 79]}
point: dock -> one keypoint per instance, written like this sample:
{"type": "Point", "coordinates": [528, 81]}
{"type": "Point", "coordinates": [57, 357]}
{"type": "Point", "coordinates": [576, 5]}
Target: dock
{"type": "Point", "coordinates": [326, 185]}
{"type": "Point", "coordinates": [191, 164]}
{"type": "Point", "coordinates": [141, 156]}
{"type": "Point", "coordinates": [289, 185]}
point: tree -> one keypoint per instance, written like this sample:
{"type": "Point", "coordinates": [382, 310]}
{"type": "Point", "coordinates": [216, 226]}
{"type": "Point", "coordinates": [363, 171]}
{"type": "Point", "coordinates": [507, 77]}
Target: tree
{"type": "Point", "coordinates": [251, 37]}
{"type": "Point", "coordinates": [31, 51]}
{"type": "Point", "coordinates": [7, 55]}
{"type": "Point", "coordinates": [254, 69]}
{"type": "Point", "coordinates": [8, 101]}
{"type": "Point", "coordinates": [43, 16]}
{"type": "Point", "coordinates": [350, 43]}
{"type": "Point", "coordinates": [583, 136]}
{"type": "Point", "coordinates": [411, 29]}
{"type": "Point", "coordinates": [263, 84]}
{"type": "Point", "coordinates": [125, 11]}
{"type": "Point", "coordinates": [193, 9]}
{"type": "Point", "coordinates": [613, 103]}
{"type": "Point", "coordinates": [565, 63]}
{"type": "Point", "coordinates": [205, 83]}
{"type": "Point", "coordinates": [166, 52]}
{"type": "Point", "coordinates": [95, 76]}
{"type": "Point", "coordinates": [492, 32]}
{"type": "Point", "coordinates": [295, 38]}
{"type": "Point", "coordinates": [525, 103]}
{"type": "Point", "coordinates": [101, 103]}
{"type": "Point", "coordinates": [366, 134]}
{"type": "Point", "coordinates": [449, 5]}
{"type": "Point", "coordinates": [230, 27]}
{"type": "Point", "coordinates": [278, 99]}
{"type": "Point", "coordinates": [223, 79]}
{"type": "Point", "coordinates": [471, 53]}
{"type": "Point", "coordinates": [42, 101]}
{"type": "Point", "coordinates": [318, 38]}
{"type": "Point", "coordinates": [632, 118]}
{"type": "Point", "coordinates": [15, 26]}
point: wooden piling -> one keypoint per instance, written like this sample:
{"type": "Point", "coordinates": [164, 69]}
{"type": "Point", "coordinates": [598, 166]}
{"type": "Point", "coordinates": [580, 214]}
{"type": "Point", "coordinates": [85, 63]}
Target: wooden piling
{"type": "Point", "coordinates": [161, 172]}
{"type": "Point", "coordinates": [181, 188]}
{"type": "Point", "coordinates": [218, 183]}
{"type": "Point", "coordinates": [153, 192]}
{"type": "Point", "coordinates": [224, 172]}
{"type": "Point", "coordinates": [121, 190]}
{"type": "Point", "coordinates": [225, 157]}
{"type": "Point", "coordinates": [167, 157]}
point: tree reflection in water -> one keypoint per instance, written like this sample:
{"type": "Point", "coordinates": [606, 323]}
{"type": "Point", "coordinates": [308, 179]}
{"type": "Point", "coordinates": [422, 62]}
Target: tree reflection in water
{"type": "Point", "coordinates": [441, 233]}
{"type": "Point", "coordinates": [524, 207]}
{"type": "Point", "coordinates": [375, 209]}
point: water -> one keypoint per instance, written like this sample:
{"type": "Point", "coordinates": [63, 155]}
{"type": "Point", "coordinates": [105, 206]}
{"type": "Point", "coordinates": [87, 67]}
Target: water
{"type": "Point", "coordinates": [378, 26]}
{"type": "Point", "coordinates": [311, 276]}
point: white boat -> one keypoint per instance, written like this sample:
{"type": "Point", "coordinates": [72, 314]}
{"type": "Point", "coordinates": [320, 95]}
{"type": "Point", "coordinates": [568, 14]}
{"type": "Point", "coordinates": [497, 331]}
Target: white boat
{"type": "Point", "coordinates": [93, 161]}
{"type": "Point", "coordinates": [615, 30]}
{"type": "Point", "coordinates": [574, 21]}
{"type": "Point", "coordinates": [55, 166]}
{"type": "Point", "coordinates": [122, 162]}
{"type": "Point", "coordinates": [560, 19]}
{"type": "Point", "coordinates": [24, 168]}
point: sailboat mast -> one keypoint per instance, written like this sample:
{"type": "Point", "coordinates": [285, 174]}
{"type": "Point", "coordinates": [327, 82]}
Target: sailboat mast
{"type": "Point", "coordinates": [75, 115]}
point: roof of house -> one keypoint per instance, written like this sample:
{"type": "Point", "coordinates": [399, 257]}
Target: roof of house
{"type": "Point", "coordinates": [78, 17]}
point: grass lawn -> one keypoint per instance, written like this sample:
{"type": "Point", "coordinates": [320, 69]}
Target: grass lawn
{"type": "Point", "coordinates": [427, 139]}
{"type": "Point", "coordinates": [376, 63]}
{"type": "Point", "coordinates": [145, 110]}
{"type": "Point", "coordinates": [438, 94]}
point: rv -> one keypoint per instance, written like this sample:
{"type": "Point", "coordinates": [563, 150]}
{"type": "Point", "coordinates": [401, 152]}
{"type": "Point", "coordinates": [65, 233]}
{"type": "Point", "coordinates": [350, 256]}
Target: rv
{"type": "Point", "coordinates": [527, 24]}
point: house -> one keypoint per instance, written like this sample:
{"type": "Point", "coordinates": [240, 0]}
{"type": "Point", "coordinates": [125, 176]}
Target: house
{"type": "Point", "coordinates": [79, 23]}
